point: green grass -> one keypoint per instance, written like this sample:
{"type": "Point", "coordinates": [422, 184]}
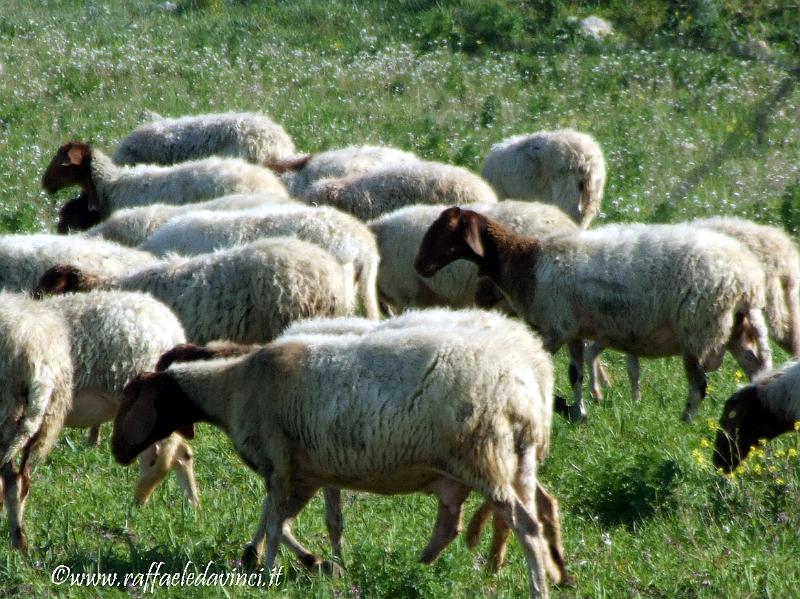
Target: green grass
{"type": "Point", "coordinates": [644, 514]}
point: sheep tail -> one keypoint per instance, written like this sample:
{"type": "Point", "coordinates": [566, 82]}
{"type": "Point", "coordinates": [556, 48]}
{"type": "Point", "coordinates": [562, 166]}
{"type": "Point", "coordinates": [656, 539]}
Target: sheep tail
{"type": "Point", "coordinates": [38, 400]}
{"type": "Point", "coordinates": [287, 164]}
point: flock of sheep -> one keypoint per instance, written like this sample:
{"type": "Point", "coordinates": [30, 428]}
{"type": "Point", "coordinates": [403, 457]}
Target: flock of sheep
{"type": "Point", "coordinates": [216, 278]}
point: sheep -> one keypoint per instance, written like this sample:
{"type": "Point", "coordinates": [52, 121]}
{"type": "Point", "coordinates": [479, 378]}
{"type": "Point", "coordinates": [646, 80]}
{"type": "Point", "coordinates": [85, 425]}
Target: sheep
{"type": "Point", "coordinates": [399, 234]}
{"type": "Point", "coordinates": [36, 370]}
{"type": "Point", "coordinates": [246, 294]}
{"type": "Point", "coordinates": [76, 215]}
{"type": "Point", "coordinates": [764, 409]}
{"type": "Point", "coordinates": [562, 167]}
{"type": "Point", "coordinates": [779, 256]}
{"type": "Point", "coordinates": [423, 412]}
{"type": "Point", "coordinates": [110, 187]}
{"type": "Point", "coordinates": [132, 226]}
{"type": "Point", "coordinates": [114, 335]}
{"type": "Point", "coordinates": [368, 195]}
{"type": "Point", "coordinates": [248, 135]}
{"type": "Point", "coordinates": [648, 290]}
{"type": "Point", "coordinates": [301, 171]}
{"type": "Point", "coordinates": [23, 258]}
{"type": "Point", "coordinates": [344, 236]}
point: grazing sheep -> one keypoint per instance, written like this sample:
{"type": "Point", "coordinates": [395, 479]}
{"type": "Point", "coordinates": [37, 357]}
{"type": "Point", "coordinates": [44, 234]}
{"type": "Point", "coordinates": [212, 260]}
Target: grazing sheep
{"type": "Point", "coordinates": [248, 135]}
{"type": "Point", "coordinates": [424, 412]}
{"type": "Point", "coordinates": [370, 194]}
{"type": "Point", "coordinates": [133, 225]}
{"type": "Point", "coordinates": [36, 370]}
{"type": "Point", "coordinates": [562, 167]}
{"type": "Point", "coordinates": [301, 171]}
{"type": "Point", "coordinates": [399, 234]}
{"type": "Point", "coordinates": [648, 290]}
{"type": "Point", "coordinates": [115, 335]}
{"type": "Point", "coordinates": [779, 256]}
{"type": "Point", "coordinates": [247, 294]}
{"type": "Point", "coordinates": [110, 187]}
{"type": "Point", "coordinates": [23, 258]}
{"type": "Point", "coordinates": [344, 236]}
{"type": "Point", "coordinates": [764, 409]}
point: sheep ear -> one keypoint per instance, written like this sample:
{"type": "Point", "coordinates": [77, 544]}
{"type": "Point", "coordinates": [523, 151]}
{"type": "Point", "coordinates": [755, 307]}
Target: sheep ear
{"type": "Point", "coordinates": [141, 418]}
{"type": "Point", "coordinates": [472, 235]}
{"type": "Point", "coordinates": [75, 155]}
{"type": "Point", "coordinates": [186, 431]}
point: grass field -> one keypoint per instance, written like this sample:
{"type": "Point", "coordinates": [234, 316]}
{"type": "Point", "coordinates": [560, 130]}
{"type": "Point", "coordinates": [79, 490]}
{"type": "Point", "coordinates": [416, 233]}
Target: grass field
{"type": "Point", "coordinates": [644, 513]}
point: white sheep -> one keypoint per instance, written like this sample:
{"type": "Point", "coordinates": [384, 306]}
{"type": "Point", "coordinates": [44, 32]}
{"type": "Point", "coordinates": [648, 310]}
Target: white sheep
{"type": "Point", "coordinates": [345, 237]}
{"type": "Point", "coordinates": [110, 187]}
{"type": "Point", "coordinates": [36, 370]}
{"type": "Point", "coordinates": [247, 294]}
{"type": "Point", "coordinates": [417, 403]}
{"type": "Point", "coordinates": [24, 258]}
{"type": "Point", "coordinates": [399, 234]}
{"type": "Point", "coordinates": [368, 195]}
{"type": "Point", "coordinates": [248, 135]}
{"type": "Point", "coordinates": [114, 335]}
{"type": "Point", "coordinates": [301, 171]}
{"type": "Point", "coordinates": [562, 167]}
{"type": "Point", "coordinates": [764, 409]}
{"type": "Point", "coordinates": [781, 261]}
{"type": "Point", "coordinates": [648, 290]}
{"type": "Point", "coordinates": [132, 226]}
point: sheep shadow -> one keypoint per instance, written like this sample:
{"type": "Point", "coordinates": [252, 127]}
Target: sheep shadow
{"type": "Point", "coordinates": [629, 490]}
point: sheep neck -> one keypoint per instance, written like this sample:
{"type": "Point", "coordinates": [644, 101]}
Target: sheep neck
{"type": "Point", "coordinates": [507, 255]}
{"type": "Point", "coordinates": [208, 386]}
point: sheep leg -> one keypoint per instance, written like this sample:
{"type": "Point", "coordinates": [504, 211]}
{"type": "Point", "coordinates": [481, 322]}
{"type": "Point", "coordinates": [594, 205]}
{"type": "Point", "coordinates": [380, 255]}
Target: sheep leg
{"type": "Point", "coordinates": [334, 521]}
{"type": "Point", "coordinates": [15, 503]}
{"type": "Point", "coordinates": [94, 436]}
{"type": "Point", "coordinates": [368, 290]}
{"type": "Point", "coordinates": [477, 524]}
{"type": "Point", "coordinates": [577, 411]}
{"type": "Point", "coordinates": [597, 375]}
{"type": "Point", "coordinates": [792, 299]}
{"type": "Point", "coordinates": [277, 513]}
{"type": "Point", "coordinates": [452, 495]}
{"type": "Point", "coordinates": [183, 465]}
{"type": "Point", "coordinates": [632, 364]}
{"type": "Point", "coordinates": [696, 377]}
{"type": "Point", "coordinates": [746, 330]}
{"type": "Point", "coordinates": [551, 523]}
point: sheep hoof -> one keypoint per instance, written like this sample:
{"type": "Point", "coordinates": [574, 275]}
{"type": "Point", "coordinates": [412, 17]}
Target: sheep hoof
{"type": "Point", "coordinates": [250, 558]}
{"type": "Point", "coordinates": [576, 413]}
{"type": "Point", "coordinates": [331, 569]}
{"type": "Point", "coordinates": [18, 540]}
{"type": "Point", "coordinates": [561, 406]}
{"type": "Point", "coordinates": [567, 581]}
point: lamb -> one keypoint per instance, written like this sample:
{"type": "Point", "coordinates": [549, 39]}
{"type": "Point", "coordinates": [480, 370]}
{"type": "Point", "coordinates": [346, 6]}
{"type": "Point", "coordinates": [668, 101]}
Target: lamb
{"type": "Point", "coordinates": [131, 226]}
{"type": "Point", "coordinates": [379, 191]}
{"type": "Point", "coordinates": [562, 167]}
{"type": "Point", "coordinates": [301, 171]}
{"type": "Point", "coordinates": [23, 258]}
{"type": "Point", "coordinates": [399, 234]}
{"type": "Point", "coordinates": [248, 135]}
{"type": "Point", "coordinates": [36, 370]}
{"type": "Point", "coordinates": [247, 294]}
{"type": "Point", "coordinates": [110, 187]}
{"type": "Point", "coordinates": [648, 290]}
{"type": "Point", "coordinates": [781, 262]}
{"type": "Point", "coordinates": [344, 236]}
{"type": "Point", "coordinates": [114, 335]}
{"type": "Point", "coordinates": [764, 409]}
{"type": "Point", "coordinates": [452, 388]}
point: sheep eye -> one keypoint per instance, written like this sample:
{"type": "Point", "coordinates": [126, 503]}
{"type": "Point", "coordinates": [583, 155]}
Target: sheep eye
{"type": "Point", "coordinates": [732, 415]}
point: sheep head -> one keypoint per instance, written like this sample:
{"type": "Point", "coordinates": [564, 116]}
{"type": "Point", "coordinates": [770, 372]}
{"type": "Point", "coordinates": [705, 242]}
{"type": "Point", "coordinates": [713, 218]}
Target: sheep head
{"type": "Point", "coordinates": [64, 278]}
{"type": "Point", "coordinates": [154, 406]}
{"type": "Point", "coordinates": [70, 166]}
{"type": "Point", "coordinates": [455, 234]}
{"type": "Point", "coordinates": [77, 215]}
{"type": "Point", "coordinates": [744, 421]}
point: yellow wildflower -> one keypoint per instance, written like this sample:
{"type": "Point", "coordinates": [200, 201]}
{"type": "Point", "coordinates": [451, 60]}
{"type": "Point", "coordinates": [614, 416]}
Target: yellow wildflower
{"type": "Point", "coordinates": [705, 443]}
{"type": "Point", "coordinates": [791, 452]}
